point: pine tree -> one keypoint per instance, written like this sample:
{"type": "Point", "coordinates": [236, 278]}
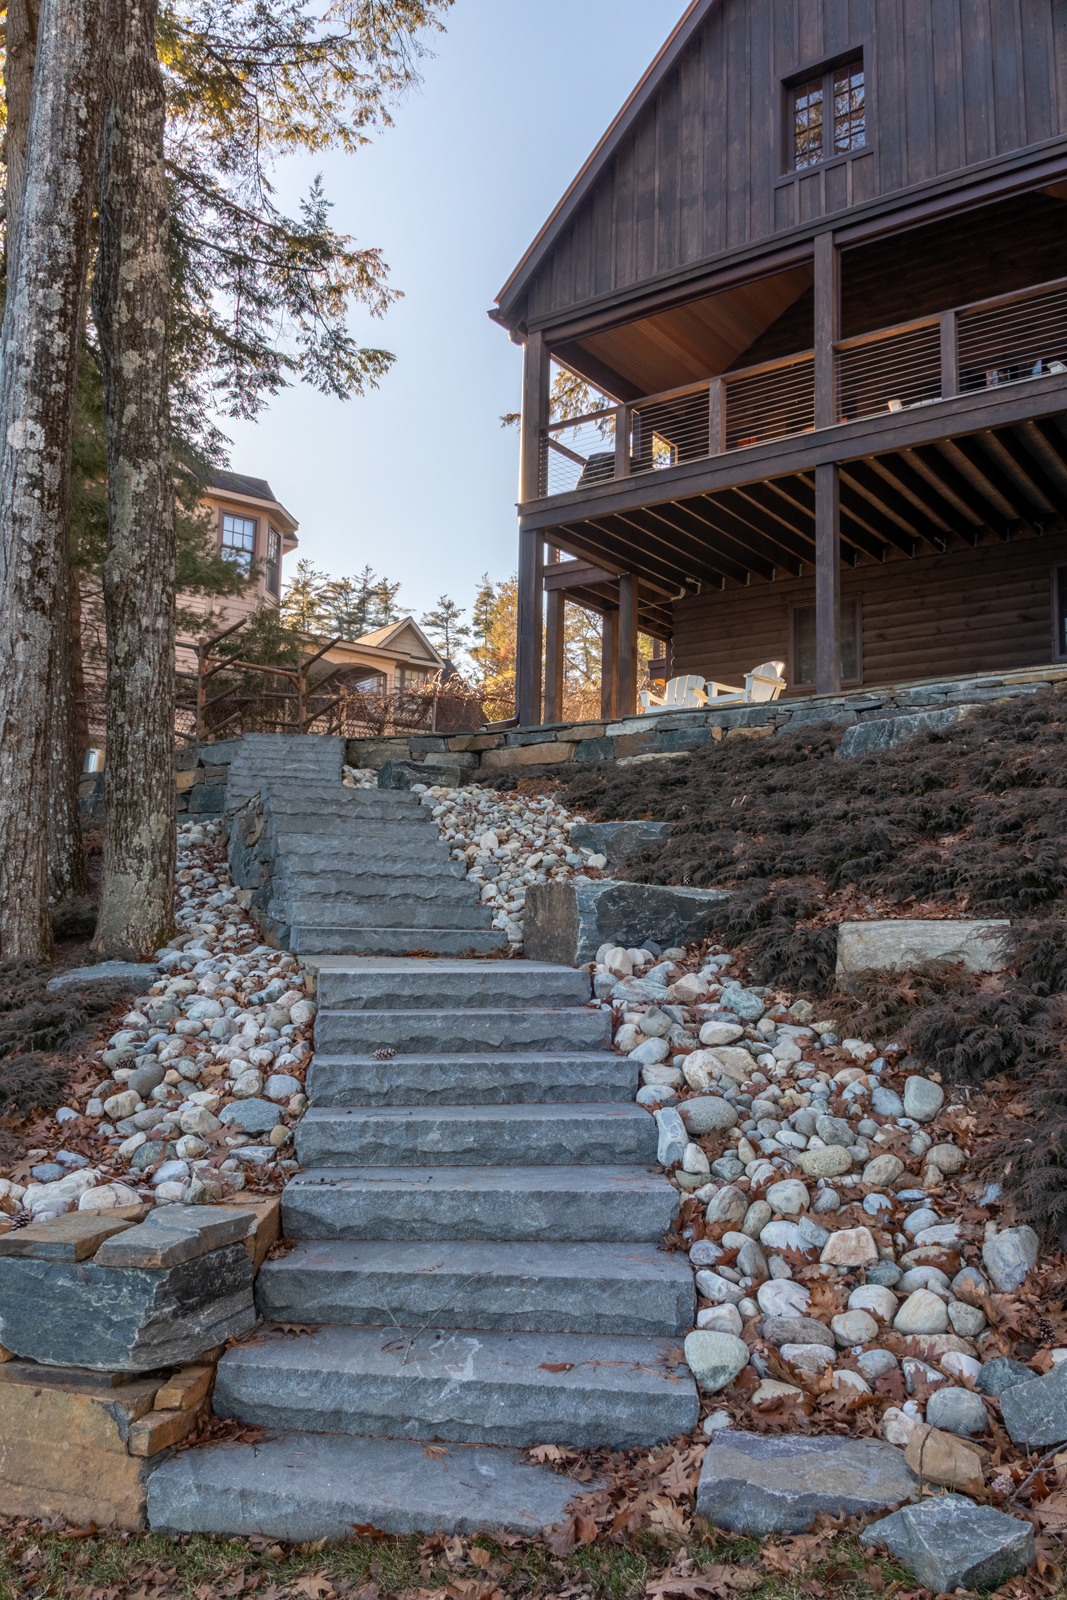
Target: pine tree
{"type": "Point", "coordinates": [482, 613]}
{"type": "Point", "coordinates": [444, 627]}
{"type": "Point", "coordinates": [303, 599]}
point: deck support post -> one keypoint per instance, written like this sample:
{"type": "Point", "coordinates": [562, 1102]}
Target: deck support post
{"type": "Point", "coordinates": [554, 642]}
{"type": "Point", "coordinates": [609, 666]}
{"type": "Point", "coordinates": [529, 629]}
{"type": "Point", "coordinates": [827, 579]}
{"type": "Point", "coordinates": [827, 327]}
{"type": "Point", "coordinates": [535, 394]}
{"type": "Point", "coordinates": [627, 645]}
{"type": "Point", "coordinates": [950, 355]}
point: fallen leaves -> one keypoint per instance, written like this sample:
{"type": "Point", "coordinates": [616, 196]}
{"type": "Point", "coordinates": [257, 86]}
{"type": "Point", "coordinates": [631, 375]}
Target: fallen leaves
{"type": "Point", "coordinates": [712, 1580]}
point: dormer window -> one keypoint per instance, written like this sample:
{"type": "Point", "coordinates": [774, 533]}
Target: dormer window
{"type": "Point", "coordinates": [828, 114]}
{"type": "Point", "coordinates": [238, 540]}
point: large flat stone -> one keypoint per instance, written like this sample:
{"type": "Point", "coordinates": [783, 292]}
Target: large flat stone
{"type": "Point", "coordinates": [74, 1236]}
{"type": "Point", "coordinates": [135, 976]}
{"type": "Point", "coordinates": [568, 922]}
{"type": "Point", "coordinates": [950, 1543]}
{"type": "Point", "coordinates": [471, 1079]}
{"type": "Point", "coordinates": [892, 946]}
{"type": "Point", "coordinates": [1035, 1413]}
{"type": "Point", "coordinates": [463, 1136]}
{"type": "Point", "coordinates": [383, 984]}
{"type": "Point", "coordinates": [425, 1032]}
{"type": "Point", "coordinates": [584, 1390]}
{"type": "Point", "coordinates": [124, 1319]}
{"type": "Point", "coordinates": [305, 1486]}
{"type": "Point", "coordinates": [760, 1484]}
{"type": "Point", "coordinates": [172, 1234]}
{"type": "Point", "coordinates": [887, 733]}
{"type": "Point", "coordinates": [554, 1288]}
{"type": "Point", "coordinates": [518, 1203]}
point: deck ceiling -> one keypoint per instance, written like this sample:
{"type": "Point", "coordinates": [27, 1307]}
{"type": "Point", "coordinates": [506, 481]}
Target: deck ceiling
{"type": "Point", "coordinates": [686, 344]}
{"type": "Point", "coordinates": [951, 494]}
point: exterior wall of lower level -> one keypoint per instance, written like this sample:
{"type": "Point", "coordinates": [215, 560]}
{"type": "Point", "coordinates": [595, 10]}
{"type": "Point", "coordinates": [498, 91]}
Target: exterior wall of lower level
{"type": "Point", "coordinates": [988, 609]}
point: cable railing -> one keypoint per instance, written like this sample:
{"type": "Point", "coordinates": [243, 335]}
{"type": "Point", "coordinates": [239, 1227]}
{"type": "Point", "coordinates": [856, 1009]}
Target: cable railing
{"type": "Point", "coordinates": [1010, 339]}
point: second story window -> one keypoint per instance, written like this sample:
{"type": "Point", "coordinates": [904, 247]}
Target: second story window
{"type": "Point", "coordinates": [274, 560]}
{"type": "Point", "coordinates": [238, 540]}
{"type": "Point", "coordinates": [828, 114]}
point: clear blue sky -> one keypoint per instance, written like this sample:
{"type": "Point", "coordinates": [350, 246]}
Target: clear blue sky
{"type": "Point", "coordinates": [418, 478]}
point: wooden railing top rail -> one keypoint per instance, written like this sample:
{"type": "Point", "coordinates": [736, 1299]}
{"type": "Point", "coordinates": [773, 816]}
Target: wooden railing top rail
{"type": "Point", "coordinates": [933, 319]}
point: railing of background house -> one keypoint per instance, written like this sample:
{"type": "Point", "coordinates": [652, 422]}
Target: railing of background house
{"type": "Point", "coordinates": [1008, 339]}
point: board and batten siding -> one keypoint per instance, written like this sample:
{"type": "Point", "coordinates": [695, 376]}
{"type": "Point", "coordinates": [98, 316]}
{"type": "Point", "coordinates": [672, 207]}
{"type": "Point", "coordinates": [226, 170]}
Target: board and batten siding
{"type": "Point", "coordinates": [950, 84]}
{"type": "Point", "coordinates": [983, 610]}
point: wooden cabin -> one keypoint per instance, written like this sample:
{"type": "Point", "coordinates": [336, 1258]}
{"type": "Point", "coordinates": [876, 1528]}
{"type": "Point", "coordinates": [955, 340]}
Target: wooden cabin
{"type": "Point", "coordinates": [815, 279]}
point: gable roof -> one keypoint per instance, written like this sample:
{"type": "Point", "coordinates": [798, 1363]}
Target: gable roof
{"type": "Point", "coordinates": [645, 91]}
{"type": "Point", "coordinates": [383, 637]}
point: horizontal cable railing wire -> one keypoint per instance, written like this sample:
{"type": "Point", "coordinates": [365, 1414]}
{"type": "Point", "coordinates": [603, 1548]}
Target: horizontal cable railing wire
{"type": "Point", "coordinates": [1005, 343]}
{"type": "Point", "coordinates": [665, 432]}
{"type": "Point", "coordinates": [769, 403]}
{"type": "Point", "coordinates": [892, 373]}
{"type": "Point", "coordinates": [578, 452]}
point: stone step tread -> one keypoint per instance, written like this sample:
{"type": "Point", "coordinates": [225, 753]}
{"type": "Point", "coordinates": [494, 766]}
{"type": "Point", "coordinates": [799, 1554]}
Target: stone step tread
{"type": "Point", "coordinates": [310, 1486]}
{"type": "Point", "coordinates": [473, 1028]}
{"type": "Point", "coordinates": [490, 1135]}
{"type": "Point", "coordinates": [405, 986]}
{"type": "Point", "coordinates": [315, 939]}
{"type": "Point", "coordinates": [471, 1079]}
{"type": "Point", "coordinates": [586, 1288]}
{"type": "Point", "coordinates": [617, 1203]}
{"type": "Point", "coordinates": [441, 888]}
{"type": "Point", "coordinates": [484, 1387]}
{"type": "Point", "coordinates": [379, 911]}
{"type": "Point", "coordinates": [351, 869]}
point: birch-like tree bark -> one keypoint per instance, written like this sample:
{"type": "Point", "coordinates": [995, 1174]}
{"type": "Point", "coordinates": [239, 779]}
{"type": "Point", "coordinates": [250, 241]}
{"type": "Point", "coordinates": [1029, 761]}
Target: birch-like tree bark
{"type": "Point", "coordinates": [39, 336]}
{"type": "Point", "coordinates": [131, 299]}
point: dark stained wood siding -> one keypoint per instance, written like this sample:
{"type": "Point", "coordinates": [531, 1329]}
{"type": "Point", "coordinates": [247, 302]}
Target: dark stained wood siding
{"type": "Point", "coordinates": [980, 610]}
{"type": "Point", "coordinates": [950, 83]}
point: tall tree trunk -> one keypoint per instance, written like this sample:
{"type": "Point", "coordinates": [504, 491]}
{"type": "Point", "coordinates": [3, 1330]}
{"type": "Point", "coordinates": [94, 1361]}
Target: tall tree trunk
{"type": "Point", "coordinates": [131, 295]}
{"type": "Point", "coordinates": [20, 50]}
{"type": "Point", "coordinates": [42, 325]}
{"type": "Point", "coordinates": [68, 878]}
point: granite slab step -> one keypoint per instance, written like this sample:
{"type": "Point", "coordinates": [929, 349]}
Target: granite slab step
{"type": "Point", "coordinates": [311, 1486]}
{"type": "Point", "coordinates": [520, 1389]}
{"type": "Point", "coordinates": [471, 1079]}
{"type": "Point", "coordinates": [476, 1135]}
{"type": "Point", "coordinates": [314, 939]}
{"type": "Point", "coordinates": [426, 1032]}
{"type": "Point", "coordinates": [414, 905]}
{"type": "Point", "coordinates": [351, 867]}
{"type": "Point", "coordinates": [552, 1288]}
{"type": "Point", "coordinates": [382, 985]}
{"type": "Point", "coordinates": [615, 1204]}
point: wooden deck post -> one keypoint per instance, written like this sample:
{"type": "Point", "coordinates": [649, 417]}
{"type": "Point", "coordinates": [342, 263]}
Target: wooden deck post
{"type": "Point", "coordinates": [554, 642]}
{"type": "Point", "coordinates": [827, 579]}
{"type": "Point", "coordinates": [535, 390]}
{"type": "Point", "coordinates": [827, 327]}
{"type": "Point", "coordinates": [950, 356]}
{"type": "Point", "coordinates": [529, 629]}
{"type": "Point", "coordinates": [627, 646]}
{"type": "Point", "coordinates": [609, 666]}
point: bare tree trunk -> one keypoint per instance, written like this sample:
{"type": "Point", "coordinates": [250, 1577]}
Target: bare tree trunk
{"type": "Point", "coordinates": [68, 879]}
{"type": "Point", "coordinates": [20, 50]}
{"type": "Point", "coordinates": [131, 300]}
{"type": "Point", "coordinates": [42, 324]}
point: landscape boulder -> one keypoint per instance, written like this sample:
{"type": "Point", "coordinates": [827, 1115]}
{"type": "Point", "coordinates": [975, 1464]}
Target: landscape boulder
{"type": "Point", "coordinates": [568, 922]}
{"type": "Point", "coordinates": [886, 733]}
{"type": "Point", "coordinates": [618, 839]}
{"type": "Point", "coordinates": [1035, 1413]}
{"type": "Point", "coordinates": [895, 946]}
{"type": "Point", "coordinates": [135, 976]}
{"type": "Point", "coordinates": [760, 1484]}
{"type": "Point", "coordinates": [949, 1543]}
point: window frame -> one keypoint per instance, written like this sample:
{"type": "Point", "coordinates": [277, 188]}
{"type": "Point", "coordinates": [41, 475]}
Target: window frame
{"type": "Point", "coordinates": [238, 516]}
{"type": "Point", "coordinates": [827, 72]}
{"type": "Point", "coordinates": [808, 687]}
{"type": "Point", "coordinates": [273, 562]}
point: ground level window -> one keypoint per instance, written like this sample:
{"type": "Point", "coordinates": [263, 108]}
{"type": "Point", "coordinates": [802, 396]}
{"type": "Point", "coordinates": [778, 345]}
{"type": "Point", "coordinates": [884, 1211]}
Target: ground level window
{"type": "Point", "coordinates": [802, 644]}
{"type": "Point", "coordinates": [1059, 611]}
{"type": "Point", "coordinates": [238, 540]}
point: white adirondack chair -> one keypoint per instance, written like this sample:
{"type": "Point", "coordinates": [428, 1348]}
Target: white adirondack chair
{"type": "Point", "coordinates": [761, 684]}
{"type": "Point", "coordinates": [680, 694]}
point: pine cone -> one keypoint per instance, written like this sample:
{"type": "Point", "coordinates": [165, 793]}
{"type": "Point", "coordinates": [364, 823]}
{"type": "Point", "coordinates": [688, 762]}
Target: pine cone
{"type": "Point", "coordinates": [22, 1219]}
{"type": "Point", "coordinates": [384, 1055]}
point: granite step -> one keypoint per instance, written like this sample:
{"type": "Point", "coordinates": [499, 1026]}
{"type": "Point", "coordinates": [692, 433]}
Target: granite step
{"type": "Point", "coordinates": [475, 1135]}
{"type": "Point", "coordinates": [483, 1387]}
{"type": "Point", "coordinates": [551, 1288]}
{"type": "Point", "coordinates": [382, 985]}
{"type": "Point", "coordinates": [416, 905]}
{"type": "Point", "coordinates": [471, 1079]}
{"type": "Point", "coordinates": [319, 939]}
{"type": "Point", "coordinates": [310, 1486]}
{"type": "Point", "coordinates": [616, 1204]}
{"type": "Point", "coordinates": [426, 1032]}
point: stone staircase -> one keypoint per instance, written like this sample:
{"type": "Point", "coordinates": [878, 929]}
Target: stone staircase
{"type": "Point", "coordinates": [476, 1267]}
{"type": "Point", "coordinates": [356, 871]}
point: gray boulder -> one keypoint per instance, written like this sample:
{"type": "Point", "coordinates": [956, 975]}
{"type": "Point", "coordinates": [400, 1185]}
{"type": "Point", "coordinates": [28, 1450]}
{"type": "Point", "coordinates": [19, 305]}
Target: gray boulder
{"type": "Point", "coordinates": [1009, 1256]}
{"type": "Point", "coordinates": [125, 1319]}
{"type": "Point", "coordinates": [618, 839]}
{"type": "Point", "coordinates": [949, 1543]}
{"type": "Point", "coordinates": [568, 922]}
{"type": "Point", "coordinates": [706, 1113]}
{"type": "Point", "coordinates": [759, 1484]}
{"type": "Point", "coordinates": [136, 976]}
{"type": "Point", "coordinates": [1035, 1413]}
{"type": "Point", "coordinates": [1003, 1373]}
{"type": "Point", "coordinates": [252, 1116]}
{"type": "Point", "coordinates": [886, 733]}
{"type": "Point", "coordinates": [672, 1136]}
{"type": "Point", "coordinates": [892, 946]}
{"type": "Point", "coordinates": [957, 1411]}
